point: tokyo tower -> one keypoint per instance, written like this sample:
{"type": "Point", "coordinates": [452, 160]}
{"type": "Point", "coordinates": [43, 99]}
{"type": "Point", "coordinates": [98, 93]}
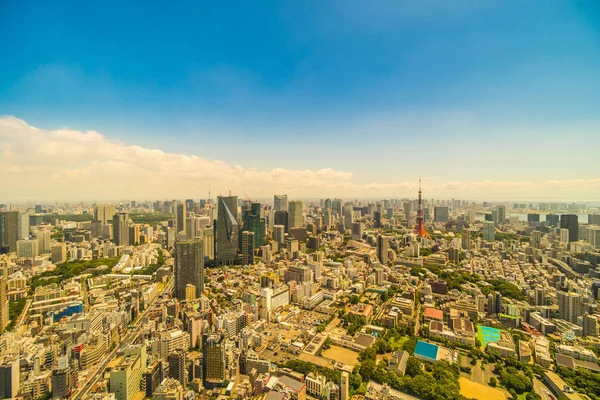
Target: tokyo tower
{"type": "Point", "coordinates": [420, 226]}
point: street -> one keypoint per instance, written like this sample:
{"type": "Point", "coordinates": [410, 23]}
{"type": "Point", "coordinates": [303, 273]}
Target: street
{"type": "Point", "coordinates": [128, 338]}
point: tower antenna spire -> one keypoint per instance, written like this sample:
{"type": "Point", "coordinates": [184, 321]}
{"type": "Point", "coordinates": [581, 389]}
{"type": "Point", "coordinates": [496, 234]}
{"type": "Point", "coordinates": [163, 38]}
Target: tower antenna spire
{"type": "Point", "coordinates": [420, 226]}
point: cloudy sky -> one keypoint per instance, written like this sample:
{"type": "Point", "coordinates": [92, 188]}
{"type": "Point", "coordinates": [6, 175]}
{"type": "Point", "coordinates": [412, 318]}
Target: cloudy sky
{"type": "Point", "coordinates": [484, 100]}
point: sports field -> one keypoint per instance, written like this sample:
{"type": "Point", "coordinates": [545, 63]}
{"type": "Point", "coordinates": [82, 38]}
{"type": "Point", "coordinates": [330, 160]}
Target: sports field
{"type": "Point", "coordinates": [487, 334]}
{"type": "Point", "coordinates": [473, 390]}
{"type": "Point", "coordinates": [341, 354]}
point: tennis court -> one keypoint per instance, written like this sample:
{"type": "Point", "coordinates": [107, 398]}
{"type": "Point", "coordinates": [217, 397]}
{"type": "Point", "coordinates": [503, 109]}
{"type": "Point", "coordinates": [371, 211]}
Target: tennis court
{"type": "Point", "coordinates": [487, 334]}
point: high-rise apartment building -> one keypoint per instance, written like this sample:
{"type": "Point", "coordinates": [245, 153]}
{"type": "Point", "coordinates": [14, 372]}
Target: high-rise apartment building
{"type": "Point", "coordinates": [570, 306]}
{"type": "Point", "coordinates": [9, 231]}
{"type": "Point", "coordinates": [590, 325]}
{"type": "Point", "coordinates": [280, 202]}
{"type": "Point", "coordinates": [570, 222]}
{"type": "Point", "coordinates": [227, 229]}
{"type": "Point", "coordinates": [3, 304]}
{"type": "Point", "coordinates": [295, 217]}
{"type": "Point", "coordinates": [189, 267]}
{"type": "Point", "coordinates": [345, 386]}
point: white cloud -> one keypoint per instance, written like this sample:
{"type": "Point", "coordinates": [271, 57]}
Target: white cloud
{"type": "Point", "coordinates": [37, 164]}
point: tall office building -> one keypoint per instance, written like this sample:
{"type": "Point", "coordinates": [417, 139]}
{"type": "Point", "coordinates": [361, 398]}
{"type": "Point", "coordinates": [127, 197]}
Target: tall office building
{"type": "Point", "coordinates": [345, 386]}
{"type": "Point", "coordinates": [3, 304]}
{"type": "Point", "coordinates": [489, 231]}
{"type": "Point", "coordinates": [121, 229]}
{"type": "Point", "coordinates": [570, 306]}
{"type": "Point", "coordinates": [227, 229]}
{"type": "Point", "coordinates": [594, 219]}
{"type": "Point", "coordinates": [279, 233]}
{"type": "Point", "coordinates": [180, 217]}
{"type": "Point", "coordinates": [247, 247]}
{"type": "Point", "coordinates": [552, 219]}
{"type": "Point", "coordinates": [348, 211]}
{"type": "Point", "coordinates": [190, 205]}
{"type": "Point", "coordinates": [177, 366]}
{"type": "Point", "coordinates": [28, 248]}
{"type": "Point", "coordinates": [382, 248]}
{"type": "Point", "coordinates": [536, 238]}
{"type": "Point", "coordinates": [9, 231]}
{"type": "Point", "coordinates": [10, 380]}
{"type": "Point", "coordinates": [104, 213]}
{"type": "Point", "coordinates": [570, 222]}
{"type": "Point", "coordinates": [189, 266]}
{"type": "Point", "coordinates": [282, 218]}
{"type": "Point", "coordinates": [252, 222]}
{"type": "Point", "coordinates": [377, 220]}
{"type": "Point", "coordinates": [23, 226]}
{"type": "Point", "coordinates": [407, 208]}
{"type": "Point", "coordinates": [500, 214]}
{"type": "Point", "coordinates": [440, 214]}
{"type": "Point", "coordinates": [466, 239]}
{"type": "Point", "coordinates": [295, 217]}
{"type": "Point", "coordinates": [213, 359]}
{"type": "Point", "coordinates": [336, 206]}
{"type": "Point", "coordinates": [280, 202]}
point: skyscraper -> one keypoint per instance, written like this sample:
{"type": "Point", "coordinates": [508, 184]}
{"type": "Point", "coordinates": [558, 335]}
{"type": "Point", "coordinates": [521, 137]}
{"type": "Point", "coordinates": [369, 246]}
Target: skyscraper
{"type": "Point", "coordinates": [570, 222]}
{"type": "Point", "coordinates": [104, 213]}
{"type": "Point", "coordinates": [252, 222]}
{"type": "Point", "coordinates": [348, 211]}
{"type": "Point", "coordinates": [180, 217]}
{"type": "Point", "coordinates": [466, 239]}
{"type": "Point", "coordinates": [213, 359]}
{"type": "Point", "coordinates": [247, 247]}
{"type": "Point", "coordinates": [9, 231]}
{"type": "Point", "coordinates": [500, 214]}
{"type": "Point", "coordinates": [189, 266]}
{"type": "Point", "coordinates": [440, 214]}
{"type": "Point", "coordinates": [489, 231]}
{"type": "Point", "coordinates": [295, 217]}
{"type": "Point", "coordinates": [281, 218]}
{"type": "Point", "coordinates": [10, 379]}
{"type": "Point", "coordinates": [382, 249]}
{"type": "Point", "coordinates": [121, 229]}
{"type": "Point", "coordinates": [227, 229]}
{"type": "Point", "coordinates": [280, 202]}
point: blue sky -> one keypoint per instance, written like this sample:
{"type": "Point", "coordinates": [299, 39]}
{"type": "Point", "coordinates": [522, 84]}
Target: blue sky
{"type": "Point", "coordinates": [387, 90]}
